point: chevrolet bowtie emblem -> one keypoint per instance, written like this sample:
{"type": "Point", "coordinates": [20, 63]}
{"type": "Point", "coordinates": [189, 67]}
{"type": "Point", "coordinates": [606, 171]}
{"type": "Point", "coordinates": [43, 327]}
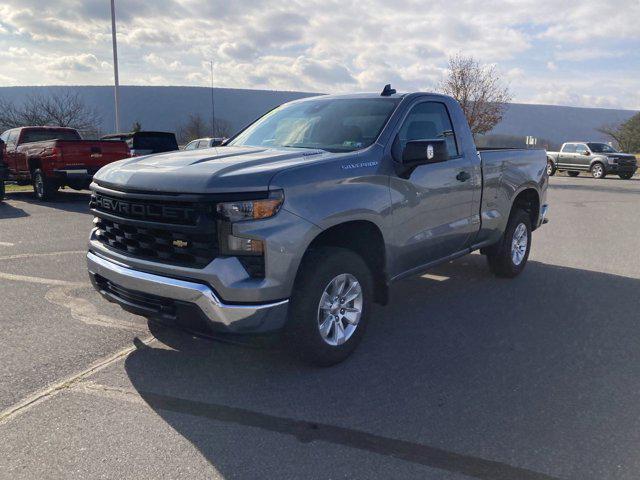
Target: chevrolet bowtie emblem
{"type": "Point", "coordinates": [180, 243]}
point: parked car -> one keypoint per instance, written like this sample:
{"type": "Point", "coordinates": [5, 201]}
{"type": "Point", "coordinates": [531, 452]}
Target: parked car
{"type": "Point", "coordinates": [146, 143]}
{"type": "Point", "coordinates": [598, 158]}
{"type": "Point", "coordinates": [207, 142]}
{"type": "Point", "coordinates": [53, 157]}
{"type": "Point", "coordinates": [303, 220]}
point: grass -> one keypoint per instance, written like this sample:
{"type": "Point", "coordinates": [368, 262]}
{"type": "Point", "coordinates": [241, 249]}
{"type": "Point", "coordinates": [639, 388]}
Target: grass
{"type": "Point", "coordinates": [10, 187]}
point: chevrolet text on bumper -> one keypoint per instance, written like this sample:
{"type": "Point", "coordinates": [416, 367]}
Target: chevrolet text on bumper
{"type": "Point", "coordinates": [302, 221]}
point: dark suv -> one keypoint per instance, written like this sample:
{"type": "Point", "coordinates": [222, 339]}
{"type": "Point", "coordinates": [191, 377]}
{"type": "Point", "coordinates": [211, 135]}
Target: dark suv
{"type": "Point", "coordinates": [146, 143]}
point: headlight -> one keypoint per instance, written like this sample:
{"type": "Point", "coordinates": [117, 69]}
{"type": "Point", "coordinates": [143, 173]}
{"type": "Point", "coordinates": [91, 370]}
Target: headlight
{"type": "Point", "coordinates": [252, 209]}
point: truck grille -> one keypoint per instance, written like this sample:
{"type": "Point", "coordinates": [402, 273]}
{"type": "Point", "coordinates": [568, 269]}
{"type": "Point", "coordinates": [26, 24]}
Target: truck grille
{"type": "Point", "coordinates": [166, 232]}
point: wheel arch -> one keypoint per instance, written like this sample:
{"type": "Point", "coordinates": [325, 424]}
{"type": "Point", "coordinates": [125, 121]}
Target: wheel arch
{"type": "Point", "coordinates": [527, 199]}
{"type": "Point", "coordinates": [363, 237]}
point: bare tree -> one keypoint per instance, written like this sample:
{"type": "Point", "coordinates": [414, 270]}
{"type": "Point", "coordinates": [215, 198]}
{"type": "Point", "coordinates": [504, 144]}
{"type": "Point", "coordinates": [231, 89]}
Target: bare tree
{"type": "Point", "coordinates": [57, 109]}
{"type": "Point", "coordinates": [626, 135]}
{"type": "Point", "coordinates": [479, 90]}
{"type": "Point", "coordinates": [197, 127]}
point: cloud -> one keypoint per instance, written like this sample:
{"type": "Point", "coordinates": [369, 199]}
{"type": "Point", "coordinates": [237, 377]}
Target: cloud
{"type": "Point", "coordinates": [329, 45]}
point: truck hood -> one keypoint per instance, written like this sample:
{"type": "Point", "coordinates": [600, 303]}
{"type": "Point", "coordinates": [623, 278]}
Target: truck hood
{"type": "Point", "coordinates": [211, 170]}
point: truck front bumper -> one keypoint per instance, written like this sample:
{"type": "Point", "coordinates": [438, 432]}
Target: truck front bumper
{"type": "Point", "coordinates": [542, 219]}
{"type": "Point", "coordinates": [186, 303]}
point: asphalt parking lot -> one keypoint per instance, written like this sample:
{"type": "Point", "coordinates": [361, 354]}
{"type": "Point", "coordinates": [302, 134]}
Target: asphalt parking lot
{"type": "Point", "coordinates": [462, 376]}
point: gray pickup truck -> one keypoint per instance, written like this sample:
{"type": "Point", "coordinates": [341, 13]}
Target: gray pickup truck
{"type": "Point", "coordinates": [598, 158]}
{"type": "Point", "coordinates": [304, 219]}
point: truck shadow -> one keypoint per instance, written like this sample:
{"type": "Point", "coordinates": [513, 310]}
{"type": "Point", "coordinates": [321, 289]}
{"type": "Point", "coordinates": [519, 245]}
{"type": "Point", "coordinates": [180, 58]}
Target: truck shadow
{"type": "Point", "coordinates": [9, 211]}
{"type": "Point", "coordinates": [462, 372]}
{"type": "Point", "coordinates": [69, 201]}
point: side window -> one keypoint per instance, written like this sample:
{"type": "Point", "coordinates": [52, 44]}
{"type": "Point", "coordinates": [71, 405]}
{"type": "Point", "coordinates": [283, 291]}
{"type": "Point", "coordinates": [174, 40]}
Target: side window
{"type": "Point", "coordinates": [191, 145]}
{"type": "Point", "coordinates": [12, 138]}
{"type": "Point", "coordinates": [569, 148]}
{"type": "Point", "coordinates": [581, 149]}
{"type": "Point", "coordinates": [427, 121]}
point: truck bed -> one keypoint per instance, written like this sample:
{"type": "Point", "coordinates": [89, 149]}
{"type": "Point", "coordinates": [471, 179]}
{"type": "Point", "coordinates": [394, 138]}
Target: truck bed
{"type": "Point", "coordinates": [504, 172]}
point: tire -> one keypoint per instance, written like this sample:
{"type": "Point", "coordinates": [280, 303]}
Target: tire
{"type": "Point", "coordinates": [573, 173]}
{"type": "Point", "coordinates": [626, 176]}
{"type": "Point", "coordinates": [2, 190]}
{"type": "Point", "coordinates": [598, 171]}
{"type": "Point", "coordinates": [320, 270]}
{"type": "Point", "coordinates": [502, 260]}
{"type": "Point", "coordinates": [44, 188]}
{"type": "Point", "coordinates": [551, 168]}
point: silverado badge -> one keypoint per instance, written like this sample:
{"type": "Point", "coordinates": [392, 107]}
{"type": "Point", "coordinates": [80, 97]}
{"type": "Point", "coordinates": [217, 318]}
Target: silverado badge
{"type": "Point", "coordinates": [180, 243]}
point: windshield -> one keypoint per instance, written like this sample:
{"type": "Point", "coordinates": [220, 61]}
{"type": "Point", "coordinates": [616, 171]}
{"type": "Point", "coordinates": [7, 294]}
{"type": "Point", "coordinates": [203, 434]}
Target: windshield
{"type": "Point", "coordinates": [601, 148]}
{"type": "Point", "coordinates": [337, 125]}
{"type": "Point", "coordinates": [43, 135]}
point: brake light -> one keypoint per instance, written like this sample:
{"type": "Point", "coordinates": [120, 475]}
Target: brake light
{"type": "Point", "coordinates": [56, 153]}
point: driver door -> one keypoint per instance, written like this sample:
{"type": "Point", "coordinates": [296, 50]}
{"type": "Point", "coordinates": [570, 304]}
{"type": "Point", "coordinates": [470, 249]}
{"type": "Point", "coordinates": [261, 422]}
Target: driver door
{"type": "Point", "coordinates": [435, 207]}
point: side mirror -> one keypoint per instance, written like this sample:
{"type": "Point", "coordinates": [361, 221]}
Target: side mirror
{"type": "Point", "coordinates": [587, 153]}
{"type": "Point", "coordinates": [422, 152]}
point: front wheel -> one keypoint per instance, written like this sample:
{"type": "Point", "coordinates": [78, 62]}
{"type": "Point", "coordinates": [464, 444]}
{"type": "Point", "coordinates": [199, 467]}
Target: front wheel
{"type": "Point", "coordinates": [329, 307]}
{"type": "Point", "coordinates": [626, 176]}
{"type": "Point", "coordinates": [509, 257]}
{"type": "Point", "coordinates": [551, 168]}
{"type": "Point", "coordinates": [44, 188]}
{"type": "Point", "coordinates": [598, 171]}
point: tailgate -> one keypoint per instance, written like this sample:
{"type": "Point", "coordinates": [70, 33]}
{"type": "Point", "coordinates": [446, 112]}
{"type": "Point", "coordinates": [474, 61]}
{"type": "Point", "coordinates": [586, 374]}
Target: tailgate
{"type": "Point", "coordinates": [90, 153]}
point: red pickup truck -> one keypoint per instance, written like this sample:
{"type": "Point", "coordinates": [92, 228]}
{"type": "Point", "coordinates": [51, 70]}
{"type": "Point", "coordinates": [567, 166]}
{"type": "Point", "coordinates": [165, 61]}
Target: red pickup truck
{"type": "Point", "coordinates": [53, 157]}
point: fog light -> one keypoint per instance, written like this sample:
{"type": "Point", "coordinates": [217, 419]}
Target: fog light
{"type": "Point", "coordinates": [245, 245]}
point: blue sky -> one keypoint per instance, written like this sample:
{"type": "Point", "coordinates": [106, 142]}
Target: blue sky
{"type": "Point", "coordinates": [584, 53]}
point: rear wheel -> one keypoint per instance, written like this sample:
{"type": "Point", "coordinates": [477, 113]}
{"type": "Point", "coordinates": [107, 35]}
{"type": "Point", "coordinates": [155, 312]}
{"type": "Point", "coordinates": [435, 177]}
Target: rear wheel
{"type": "Point", "coordinates": [509, 257]}
{"type": "Point", "coordinates": [43, 187]}
{"type": "Point", "coordinates": [2, 190]}
{"type": "Point", "coordinates": [551, 168]}
{"type": "Point", "coordinates": [330, 306]}
{"type": "Point", "coordinates": [597, 170]}
{"type": "Point", "coordinates": [625, 176]}
{"type": "Point", "coordinates": [573, 173]}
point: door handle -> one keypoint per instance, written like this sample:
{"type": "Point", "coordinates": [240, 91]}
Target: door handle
{"type": "Point", "coordinates": [463, 176]}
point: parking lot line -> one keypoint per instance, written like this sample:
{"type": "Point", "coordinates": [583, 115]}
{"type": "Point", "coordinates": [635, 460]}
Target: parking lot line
{"type": "Point", "coordinates": [45, 254]}
{"type": "Point", "coordinates": [40, 280]}
{"type": "Point", "coordinates": [49, 392]}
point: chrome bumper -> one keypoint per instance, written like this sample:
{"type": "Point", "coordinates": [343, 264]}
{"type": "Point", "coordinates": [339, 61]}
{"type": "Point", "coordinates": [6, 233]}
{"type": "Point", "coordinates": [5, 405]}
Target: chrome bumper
{"type": "Point", "coordinates": [543, 215]}
{"type": "Point", "coordinates": [221, 316]}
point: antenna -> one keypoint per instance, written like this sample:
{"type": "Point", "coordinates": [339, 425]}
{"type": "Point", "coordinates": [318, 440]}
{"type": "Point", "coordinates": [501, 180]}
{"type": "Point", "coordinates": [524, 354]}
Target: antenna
{"type": "Point", "coordinates": [387, 90]}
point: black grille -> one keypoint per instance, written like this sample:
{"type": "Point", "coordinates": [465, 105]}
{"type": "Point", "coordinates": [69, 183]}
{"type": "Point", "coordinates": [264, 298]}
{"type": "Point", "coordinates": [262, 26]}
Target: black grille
{"type": "Point", "coordinates": [194, 250]}
{"type": "Point", "coordinates": [166, 230]}
{"type": "Point", "coordinates": [626, 162]}
{"type": "Point", "coordinates": [172, 212]}
{"type": "Point", "coordinates": [172, 232]}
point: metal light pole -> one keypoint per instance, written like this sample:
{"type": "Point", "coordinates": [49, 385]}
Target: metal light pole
{"type": "Point", "coordinates": [115, 65]}
{"type": "Point", "coordinates": [213, 105]}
